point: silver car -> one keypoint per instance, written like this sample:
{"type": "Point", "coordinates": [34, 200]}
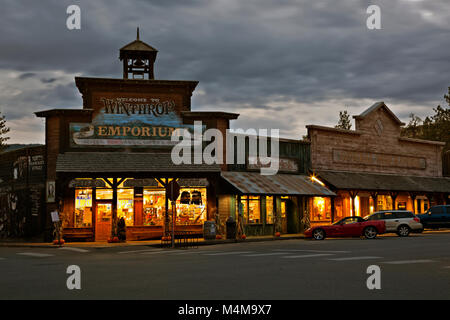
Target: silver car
{"type": "Point", "coordinates": [401, 222]}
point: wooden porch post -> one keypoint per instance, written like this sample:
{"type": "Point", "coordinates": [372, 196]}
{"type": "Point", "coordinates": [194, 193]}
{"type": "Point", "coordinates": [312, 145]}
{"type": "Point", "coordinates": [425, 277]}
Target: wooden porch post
{"type": "Point", "coordinates": [413, 196]}
{"type": "Point", "coordinates": [394, 196]}
{"type": "Point", "coordinates": [374, 196]}
{"type": "Point", "coordinates": [353, 195]}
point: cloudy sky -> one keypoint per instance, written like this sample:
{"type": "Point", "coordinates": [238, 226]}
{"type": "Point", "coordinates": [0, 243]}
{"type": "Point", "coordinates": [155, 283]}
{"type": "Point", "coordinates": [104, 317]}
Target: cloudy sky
{"type": "Point", "coordinates": [279, 63]}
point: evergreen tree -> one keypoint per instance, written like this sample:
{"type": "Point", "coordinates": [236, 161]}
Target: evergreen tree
{"type": "Point", "coordinates": [435, 127]}
{"type": "Point", "coordinates": [3, 131]}
{"type": "Point", "coordinates": [344, 121]}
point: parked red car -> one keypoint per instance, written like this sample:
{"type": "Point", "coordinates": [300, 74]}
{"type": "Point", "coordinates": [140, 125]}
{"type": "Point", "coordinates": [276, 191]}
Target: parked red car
{"type": "Point", "coordinates": [348, 227]}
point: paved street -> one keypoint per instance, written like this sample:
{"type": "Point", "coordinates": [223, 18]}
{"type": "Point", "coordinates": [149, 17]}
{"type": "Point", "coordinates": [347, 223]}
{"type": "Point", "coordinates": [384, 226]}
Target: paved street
{"type": "Point", "coordinates": [417, 267]}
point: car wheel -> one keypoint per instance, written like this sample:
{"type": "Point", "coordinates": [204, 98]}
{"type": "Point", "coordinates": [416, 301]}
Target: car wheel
{"type": "Point", "coordinates": [403, 231]}
{"type": "Point", "coordinates": [319, 234]}
{"type": "Point", "coordinates": [370, 233]}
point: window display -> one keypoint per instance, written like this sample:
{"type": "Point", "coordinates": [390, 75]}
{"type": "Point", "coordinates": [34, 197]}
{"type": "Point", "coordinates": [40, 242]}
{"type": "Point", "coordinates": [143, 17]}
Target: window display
{"type": "Point", "coordinates": [191, 206]}
{"type": "Point", "coordinates": [384, 202]}
{"type": "Point", "coordinates": [154, 207]}
{"type": "Point", "coordinates": [83, 208]}
{"type": "Point", "coordinates": [125, 201]}
{"type": "Point", "coordinates": [251, 209]}
{"type": "Point", "coordinates": [269, 210]}
{"type": "Point", "coordinates": [320, 209]}
{"type": "Point", "coordinates": [104, 194]}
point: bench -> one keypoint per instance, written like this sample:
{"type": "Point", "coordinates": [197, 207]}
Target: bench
{"type": "Point", "coordinates": [182, 239]}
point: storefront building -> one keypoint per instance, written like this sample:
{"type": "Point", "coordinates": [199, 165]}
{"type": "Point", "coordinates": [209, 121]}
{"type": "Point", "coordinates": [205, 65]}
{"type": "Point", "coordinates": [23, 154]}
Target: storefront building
{"type": "Point", "coordinates": [374, 168]}
{"type": "Point", "coordinates": [111, 159]}
{"type": "Point", "coordinates": [22, 192]}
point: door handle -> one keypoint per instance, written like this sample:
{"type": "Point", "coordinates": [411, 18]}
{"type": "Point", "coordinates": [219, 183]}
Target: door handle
{"type": "Point", "coordinates": [396, 220]}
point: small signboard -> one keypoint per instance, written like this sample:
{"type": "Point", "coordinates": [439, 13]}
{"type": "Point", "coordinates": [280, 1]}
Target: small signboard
{"type": "Point", "coordinates": [55, 216]}
{"type": "Point", "coordinates": [50, 191]}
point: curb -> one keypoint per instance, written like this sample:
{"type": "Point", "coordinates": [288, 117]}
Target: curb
{"type": "Point", "coordinates": [135, 244]}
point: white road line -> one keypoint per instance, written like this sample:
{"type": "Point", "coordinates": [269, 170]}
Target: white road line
{"type": "Point", "coordinates": [308, 255]}
{"type": "Point", "coordinates": [154, 252]}
{"type": "Point", "coordinates": [409, 261]}
{"type": "Point", "coordinates": [318, 251]}
{"type": "Point", "coordinates": [39, 255]}
{"type": "Point", "coordinates": [193, 252]}
{"type": "Point", "coordinates": [263, 254]}
{"type": "Point", "coordinates": [226, 253]}
{"type": "Point", "coordinates": [73, 249]}
{"type": "Point", "coordinates": [355, 258]}
{"type": "Point", "coordinates": [137, 251]}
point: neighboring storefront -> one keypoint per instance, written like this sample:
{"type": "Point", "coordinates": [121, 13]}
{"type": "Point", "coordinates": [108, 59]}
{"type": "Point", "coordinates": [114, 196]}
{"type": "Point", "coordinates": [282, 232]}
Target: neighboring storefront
{"type": "Point", "coordinates": [22, 192]}
{"type": "Point", "coordinates": [374, 168]}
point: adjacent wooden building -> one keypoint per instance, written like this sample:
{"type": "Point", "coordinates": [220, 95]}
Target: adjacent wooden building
{"type": "Point", "coordinates": [374, 168]}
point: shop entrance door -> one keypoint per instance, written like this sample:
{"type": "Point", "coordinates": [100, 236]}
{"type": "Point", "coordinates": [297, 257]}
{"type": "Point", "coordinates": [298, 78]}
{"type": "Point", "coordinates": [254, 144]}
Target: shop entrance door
{"type": "Point", "coordinates": [103, 221]}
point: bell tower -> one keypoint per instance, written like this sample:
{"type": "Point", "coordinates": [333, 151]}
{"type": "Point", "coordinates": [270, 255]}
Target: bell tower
{"type": "Point", "coordinates": [138, 60]}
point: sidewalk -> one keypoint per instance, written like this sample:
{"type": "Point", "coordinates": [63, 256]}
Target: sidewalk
{"type": "Point", "coordinates": [147, 243]}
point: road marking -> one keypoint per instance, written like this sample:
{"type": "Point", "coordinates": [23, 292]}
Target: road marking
{"type": "Point", "coordinates": [226, 253]}
{"type": "Point", "coordinates": [355, 258]}
{"type": "Point", "coordinates": [318, 251]}
{"type": "Point", "coordinates": [155, 252]}
{"type": "Point", "coordinates": [73, 249]}
{"type": "Point", "coordinates": [195, 252]}
{"type": "Point", "coordinates": [39, 255]}
{"type": "Point", "coordinates": [409, 261]}
{"type": "Point", "coordinates": [263, 254]}
{"type": "Point", "coordinates": [137, 251]}
{"type": "Point", "coordinates": [309, 255]}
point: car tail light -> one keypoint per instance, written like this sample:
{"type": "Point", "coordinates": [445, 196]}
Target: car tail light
{"type": "Point", "coordinates": [416, 219]}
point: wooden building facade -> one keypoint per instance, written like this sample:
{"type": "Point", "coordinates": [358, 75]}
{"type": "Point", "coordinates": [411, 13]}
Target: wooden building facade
{"type": "Point", "coordinates": [374, 168]}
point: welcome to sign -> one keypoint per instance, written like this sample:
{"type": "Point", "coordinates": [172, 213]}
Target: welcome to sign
{"type": "Point", "coordinates": [129, 121]}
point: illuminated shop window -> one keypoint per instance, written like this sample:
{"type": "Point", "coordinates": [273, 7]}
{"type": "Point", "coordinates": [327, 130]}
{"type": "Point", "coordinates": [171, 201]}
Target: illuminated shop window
{"type": "Point", "coordinates": [320, 209]}
{"type": "Point", "coordinates": [251, 209]}
{"type": "Point", "coordinates": [83, 208]}
{"type": "Point", "coordinates": [104, 194]}
{"type": "Point", "coordinates": [191, 206]}
{"type": "Point", "coordinates": [269, 210]}
{"type": "Point", "coordinates": [154, 207]}
{"type": "Point", "coordinates": [125, 202]}
{"type": "Point", "coordinates": [384, 202]}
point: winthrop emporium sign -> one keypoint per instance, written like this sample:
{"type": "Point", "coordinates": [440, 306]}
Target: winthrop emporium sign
{"type": "Point", "coordinates": [128, 122]}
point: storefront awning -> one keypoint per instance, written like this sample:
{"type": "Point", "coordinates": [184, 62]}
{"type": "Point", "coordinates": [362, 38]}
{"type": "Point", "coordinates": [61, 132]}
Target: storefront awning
{"type": "Point", "coordinates": [127, 162]}
{"type": "Point", "coordinates": [279, 184]}
{"type": "Point", "coordinates": [383, 182]}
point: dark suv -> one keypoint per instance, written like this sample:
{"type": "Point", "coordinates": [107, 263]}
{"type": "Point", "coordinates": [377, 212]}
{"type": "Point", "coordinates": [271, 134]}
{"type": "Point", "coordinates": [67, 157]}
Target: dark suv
{"type": "Point", "coordinates": [436, 217]}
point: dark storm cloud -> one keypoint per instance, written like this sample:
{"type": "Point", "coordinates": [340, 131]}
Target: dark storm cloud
{"type": "Point", "coordinates": [26, 75]}
{"type": "Point", "coordinates": [297, 58]}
